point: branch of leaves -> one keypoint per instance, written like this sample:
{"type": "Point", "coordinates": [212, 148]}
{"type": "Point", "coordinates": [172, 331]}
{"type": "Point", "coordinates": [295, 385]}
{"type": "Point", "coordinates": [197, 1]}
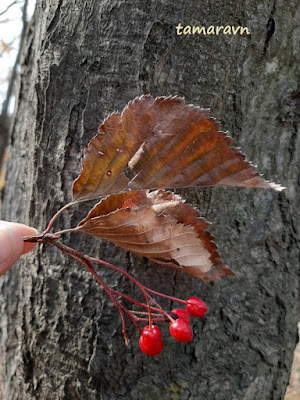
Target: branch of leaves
{"type": "Point", "coordinates": [152, 146]}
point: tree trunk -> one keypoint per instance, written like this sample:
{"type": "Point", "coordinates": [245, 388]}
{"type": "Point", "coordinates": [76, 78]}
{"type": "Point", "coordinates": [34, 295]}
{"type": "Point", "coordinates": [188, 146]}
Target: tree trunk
{"type": "Point", "coordinates": [61, 337]}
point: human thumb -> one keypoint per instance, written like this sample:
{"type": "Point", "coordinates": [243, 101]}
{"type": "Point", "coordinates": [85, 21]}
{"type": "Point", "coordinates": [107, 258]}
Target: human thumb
{"type": "Point", "coordinates": [12, 245]}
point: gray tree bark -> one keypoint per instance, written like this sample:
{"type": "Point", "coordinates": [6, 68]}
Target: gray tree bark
{"type": "Point", "coordinates": [60, 335]}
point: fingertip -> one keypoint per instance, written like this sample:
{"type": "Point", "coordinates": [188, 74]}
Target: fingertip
{"type": "Point", "coordinates": [25, 230]}
{"type": "Point", "coordinates": [28, 246]}
{"type": "Point", "coordinates": [12, 244]}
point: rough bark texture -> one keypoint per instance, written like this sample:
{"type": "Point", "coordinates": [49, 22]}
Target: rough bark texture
{"type": "Point", "coordinates": [61, 337]}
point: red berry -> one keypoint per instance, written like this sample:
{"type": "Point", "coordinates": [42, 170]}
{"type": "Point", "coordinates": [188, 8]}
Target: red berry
{"type": "Point", "coordinates": [196, 307]}
{"type": "Point", "coordinates": [150, 340]}
{"type": "Point", "coordinates": [181, 330]}
{"type": "Point", "coordinates": [183, 314]}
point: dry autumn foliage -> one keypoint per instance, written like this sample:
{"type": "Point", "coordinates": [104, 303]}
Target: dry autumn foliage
{"type": "Point", "coordinates": [159, 144]}
{"type": "Point", "coordinates": [154, 145]}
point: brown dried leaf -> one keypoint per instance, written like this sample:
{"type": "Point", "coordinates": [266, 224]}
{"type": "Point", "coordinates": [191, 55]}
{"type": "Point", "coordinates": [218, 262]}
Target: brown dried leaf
{"type": "Point", "coordinates": [158, 144]}
{"type": "Point", "coordinates": [160, 226]}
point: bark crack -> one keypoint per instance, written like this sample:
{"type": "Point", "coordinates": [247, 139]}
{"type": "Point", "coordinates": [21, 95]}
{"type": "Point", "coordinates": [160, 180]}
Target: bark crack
{"type": "Point", "coordinates": [270, 28]}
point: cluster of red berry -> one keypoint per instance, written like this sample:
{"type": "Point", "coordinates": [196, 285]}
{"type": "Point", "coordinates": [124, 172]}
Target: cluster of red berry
{"type": "Point", "coordinates": [151, 340]}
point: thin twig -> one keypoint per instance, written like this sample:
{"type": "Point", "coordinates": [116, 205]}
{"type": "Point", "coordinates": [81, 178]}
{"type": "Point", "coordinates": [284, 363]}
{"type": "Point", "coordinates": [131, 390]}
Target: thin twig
{"type": "Point", "coordinates": [143, 288]}
{"type": "Point", "coordinates": [58, 233]}
{"type": "Point", "coordinates": [145, 313]}
{"type": "Point", "coordinates": [167, 297]}
{"type": "Point", "coordinates": [55, 216]}
{"type": "Point", "coordinates": [9, 6]}
{"type": "Point", "coordinates": [134, 301]}
{"type": "Point", "coordinates": [121, 271]}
